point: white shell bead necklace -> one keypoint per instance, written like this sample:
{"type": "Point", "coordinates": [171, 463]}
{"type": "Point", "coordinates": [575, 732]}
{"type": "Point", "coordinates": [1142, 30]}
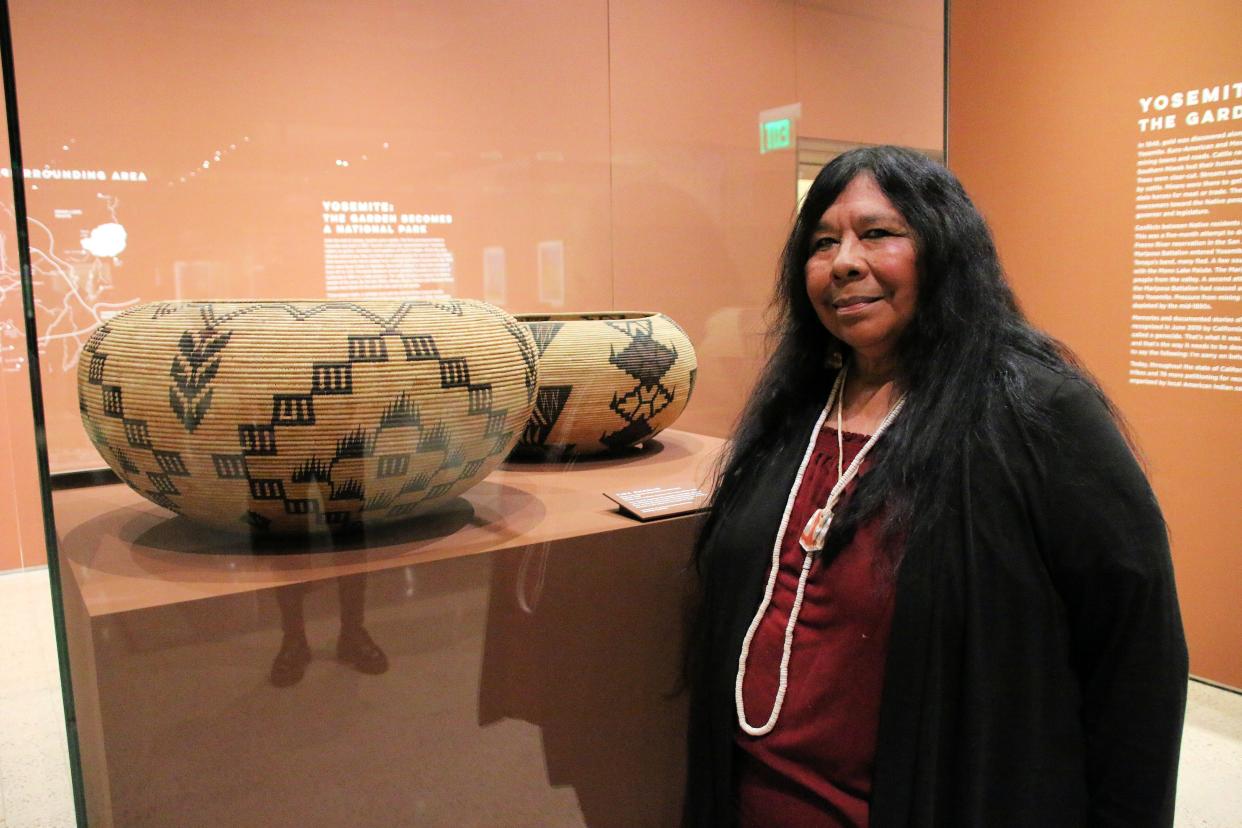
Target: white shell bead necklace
{"type": "Point", "coordinates": [812, 541]}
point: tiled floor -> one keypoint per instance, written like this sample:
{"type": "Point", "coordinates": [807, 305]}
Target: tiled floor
{"type": "Point", "coordinates": [34, 759]}
{"type": "Point", "coordinates": [34, 765]}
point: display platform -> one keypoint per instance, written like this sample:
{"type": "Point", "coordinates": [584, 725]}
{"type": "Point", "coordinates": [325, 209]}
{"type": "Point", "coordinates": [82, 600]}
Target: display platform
{"type": "Point", "coordinates": [531, 638]}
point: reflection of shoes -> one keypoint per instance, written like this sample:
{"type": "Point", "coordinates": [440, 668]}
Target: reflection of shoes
{"type": "Point", "coordinates": [356, 647]}
{"type": "Point", "coordinates": [290, 663]}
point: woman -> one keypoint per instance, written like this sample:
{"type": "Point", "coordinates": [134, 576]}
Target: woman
{"type": "Point", "coordinates": [973, 619]}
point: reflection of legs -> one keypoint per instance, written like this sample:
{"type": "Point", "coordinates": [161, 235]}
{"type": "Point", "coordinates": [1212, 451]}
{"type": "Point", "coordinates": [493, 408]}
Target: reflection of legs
{"type": "Point", "coordinates": [353, 593]}
{"type": "Point", "coordinates": [355, 645]}
{"type": "Point", "coordinates": [290, 663]}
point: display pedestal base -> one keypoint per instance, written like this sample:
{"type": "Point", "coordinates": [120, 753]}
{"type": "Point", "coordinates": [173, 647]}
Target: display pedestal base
{"type": "Point", "coordinates": [532, 636]}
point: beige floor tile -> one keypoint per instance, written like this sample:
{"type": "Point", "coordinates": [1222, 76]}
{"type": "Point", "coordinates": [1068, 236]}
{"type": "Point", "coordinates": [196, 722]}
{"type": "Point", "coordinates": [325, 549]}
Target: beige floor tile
{"type": "Point", "coordinates": [1209, 785]}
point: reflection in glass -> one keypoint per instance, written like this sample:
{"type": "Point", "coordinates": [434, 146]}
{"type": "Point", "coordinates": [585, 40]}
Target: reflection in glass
{"type": "Point", "coordinates": [354, 645]}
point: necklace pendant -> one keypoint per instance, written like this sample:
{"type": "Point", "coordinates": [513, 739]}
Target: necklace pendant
{"type": "Point", "coordinates": [816, 531]}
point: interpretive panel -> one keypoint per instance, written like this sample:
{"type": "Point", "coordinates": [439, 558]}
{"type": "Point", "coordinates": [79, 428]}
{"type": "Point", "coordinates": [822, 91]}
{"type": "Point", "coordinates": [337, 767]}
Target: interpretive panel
{"type": "Point", "coordinates": [1186, 322]}
{"type": "Point", "coordinates": [371, 250]}
{"type": "Point", "coordinates": [1117, 207]}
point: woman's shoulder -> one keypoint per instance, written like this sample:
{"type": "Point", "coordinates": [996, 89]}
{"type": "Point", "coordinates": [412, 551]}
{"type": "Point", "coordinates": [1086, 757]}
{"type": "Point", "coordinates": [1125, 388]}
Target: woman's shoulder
{"type": "Point", "coordinates": [1064, 410]}
{"type": "Point", "coordinates": [1039, 380]}
{"type": "Point", "coordinates": [1054, 390]}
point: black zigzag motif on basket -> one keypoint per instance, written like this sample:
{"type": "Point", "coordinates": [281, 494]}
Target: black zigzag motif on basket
{"type": "Point", "coordinates": [349, 490]}
{"type": "Point", "coordinates": [137, 434]}
{"type": "Point", "coordinates": [522, 336]}
{"type": "Point", "coordinates": [336, 378]}
{"type": "Point", "coordinates": [98, 434]}
{"type": "Point", "coordinates": [355, 445]}
{"type": "Point", "coordinates": [332, 378]}
{"type": "Point", "coordinates": [379, 503]}
{"type": "Point", "coordinates": [390, 324]}
{"type": "Point", "coordinates": [451, 306]}
{"type": "Point", "coordinates": [337, 519]}
{"type": "Point", "coordinates": [163, 483]}
{"type": "Point", "coordinates": [97, 338]}
{"type": "Point", "coordinates": [197, 363]}
{"type": "Point", "coordinates": [647, 361]}
{"type": "Point", "coordinates": [165, 309]}
{"type": "Point", "coordinates": [401, 413]}
{"type": "Point", "coordinates": [96, 371]}
{"type": "Point", "coordinates": [212, 319]}
{"type": "Point", "coordinates": [123, 458]}
{"type": "Point", "coordinates": [420, 347]}
{"type": "Point", "coordinates": [257, 440]}
{"type": "Point", "coordinates": [293, 410]}
{"type": "Point", "coordinates": [480, 398]}
{"type": "Point", "coordinates": [171, 462]}
{"type": "Point", "coordinates": [439, 491]}
{"type": "Point", "coordinates": [194, 366]}
{"type": "Point", "coordinates": [367, 348]}
{"type": "Point", "coordinates": [265, 488]}
{"type": "Point", "coordinates": [301, 506]}
{"type": "Point", "coordinates": [544, 333]}
{"type": "Point", "coordinates": [530, 358]}
{"type": "Point", "coordinates": [148, 469]}
{"type": "Point", "coordinates": [313, 470]}
{"type": "Point", "coordinates": [496, 422]}
{"type": "Point", "coordinates": [501, 443]}
{"type": "Point", "coordinates": [549, 403]}
{"type": "Point", "coordinates": [454, 373]}
{"type": "Point", "coordinates": [113, 404]}
{"type": "Point", "coordinates": [644, 358]}
{"type": "Point", "coordinates": [417, 483]}
{"type": "Point", "coordinates": [230, 466]}
{"type": "Point", "coordinates": [435, 438]}
{"type": "Point", "coordinates": [393, 465]}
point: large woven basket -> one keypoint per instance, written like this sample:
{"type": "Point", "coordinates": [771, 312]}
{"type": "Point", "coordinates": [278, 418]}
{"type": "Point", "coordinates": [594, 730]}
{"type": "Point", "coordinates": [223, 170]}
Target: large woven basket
{"type": "Point", "coordinates": [296, 416]}
{"type": "Point", "coordinates": [606, 380]}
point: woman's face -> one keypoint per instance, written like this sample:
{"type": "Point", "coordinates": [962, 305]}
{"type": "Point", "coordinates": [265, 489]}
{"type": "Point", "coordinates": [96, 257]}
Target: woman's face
{"type": "Point", "coordinates": [862, 274]}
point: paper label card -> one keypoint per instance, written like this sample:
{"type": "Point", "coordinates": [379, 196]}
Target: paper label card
{"type": "Point", "coordinates": [660, 501]}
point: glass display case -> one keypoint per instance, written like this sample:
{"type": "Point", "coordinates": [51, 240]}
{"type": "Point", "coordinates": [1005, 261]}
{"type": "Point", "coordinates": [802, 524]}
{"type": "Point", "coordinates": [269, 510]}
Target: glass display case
{"type": "Point", "coordinates": [513, 656]}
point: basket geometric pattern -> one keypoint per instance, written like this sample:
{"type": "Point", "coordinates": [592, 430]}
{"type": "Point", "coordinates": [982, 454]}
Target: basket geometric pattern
{"type": "Point", "coordinates": [606, 380]}
{"type": "Point", "coordinates": [305, 416]}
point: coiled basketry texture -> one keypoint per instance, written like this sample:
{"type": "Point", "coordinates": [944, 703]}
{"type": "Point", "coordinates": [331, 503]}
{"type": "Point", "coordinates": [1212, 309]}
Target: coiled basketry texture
{"type": "Point", "coordinates": [301, 416]}
{"type": "Point", "coordinates": [606, 380]}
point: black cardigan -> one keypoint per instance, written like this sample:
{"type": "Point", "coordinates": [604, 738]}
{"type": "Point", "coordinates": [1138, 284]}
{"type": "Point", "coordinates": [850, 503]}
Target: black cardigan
{"type": "Point", "coordinates": [1037, 667]}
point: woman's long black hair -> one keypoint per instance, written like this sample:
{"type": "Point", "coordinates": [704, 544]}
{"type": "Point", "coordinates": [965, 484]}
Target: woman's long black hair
{"type": "Point", "coordinates": [956, 358]}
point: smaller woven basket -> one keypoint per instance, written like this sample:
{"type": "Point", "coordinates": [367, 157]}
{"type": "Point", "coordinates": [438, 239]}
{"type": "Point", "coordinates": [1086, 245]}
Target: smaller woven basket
{"type": "Point", "coordinates": [289, 417]}
{"type": "Point", "coordinates": [606, 380]}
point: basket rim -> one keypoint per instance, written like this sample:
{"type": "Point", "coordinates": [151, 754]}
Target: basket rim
{"type": "Point", "coordinates": [300, 300]}
{"type": "Point", "coordinates": [586, 316]}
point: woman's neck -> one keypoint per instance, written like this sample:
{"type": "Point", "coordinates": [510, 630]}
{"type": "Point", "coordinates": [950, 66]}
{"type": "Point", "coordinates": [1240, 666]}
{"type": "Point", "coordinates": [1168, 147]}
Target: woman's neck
{"type": "Point", "coordinates": [872, 371]}
{"type": "Point", "coordinates": [870, 392]}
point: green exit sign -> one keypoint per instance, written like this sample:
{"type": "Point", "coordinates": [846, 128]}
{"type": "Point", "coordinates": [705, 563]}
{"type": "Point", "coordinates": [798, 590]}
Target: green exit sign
{"type": "Point", "coordinates": [775, 135]}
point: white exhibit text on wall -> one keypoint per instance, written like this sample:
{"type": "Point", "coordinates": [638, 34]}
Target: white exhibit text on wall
{"type": "Point", "coordinates": [1186, 294]}
{"type": "Point", "coordinates": [372, 250]}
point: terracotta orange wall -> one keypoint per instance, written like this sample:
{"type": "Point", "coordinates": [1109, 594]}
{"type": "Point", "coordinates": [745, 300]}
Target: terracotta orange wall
{"type": "Point", "coordinates": [1043, 111]}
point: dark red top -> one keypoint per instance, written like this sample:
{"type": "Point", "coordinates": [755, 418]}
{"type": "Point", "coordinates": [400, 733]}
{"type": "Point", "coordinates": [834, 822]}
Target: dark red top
{"type": "Point", "coordinates": [814, 768]}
